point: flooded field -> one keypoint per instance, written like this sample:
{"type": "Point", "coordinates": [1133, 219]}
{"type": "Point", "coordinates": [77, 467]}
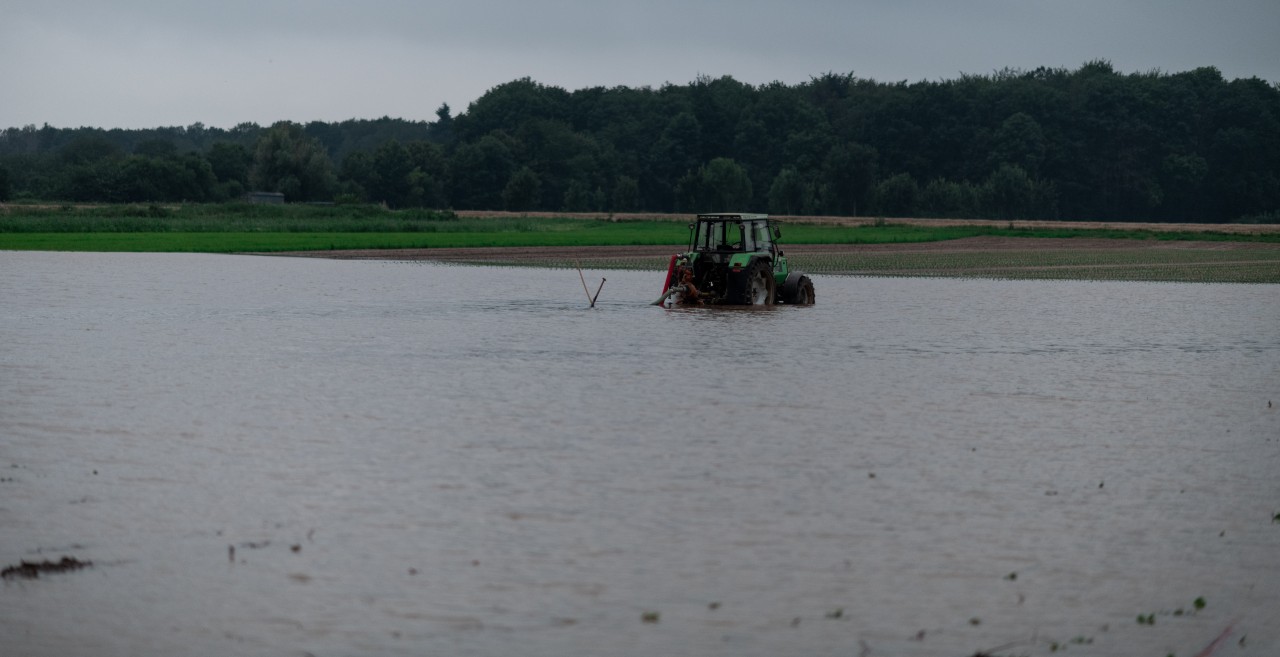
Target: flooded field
{"type": "Point", "coordinates": [250, 455]}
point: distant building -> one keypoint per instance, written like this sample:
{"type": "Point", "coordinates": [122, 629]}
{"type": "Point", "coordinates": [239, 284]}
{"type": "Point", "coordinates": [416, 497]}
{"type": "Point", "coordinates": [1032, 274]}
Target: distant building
{"type": "Point", "coordinates": [264, 197]}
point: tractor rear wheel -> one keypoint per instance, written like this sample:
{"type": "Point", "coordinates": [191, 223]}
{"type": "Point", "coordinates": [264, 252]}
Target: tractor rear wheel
{"type": "Point", "coordinates": [755, 287]}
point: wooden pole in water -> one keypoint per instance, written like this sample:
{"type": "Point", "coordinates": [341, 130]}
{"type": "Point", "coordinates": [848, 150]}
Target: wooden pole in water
{"type": "Point", "coordinates": [584, 284]}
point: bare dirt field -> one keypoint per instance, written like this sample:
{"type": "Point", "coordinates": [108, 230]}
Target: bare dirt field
{"type": "Point", "coordinates": [534, 255]}
{"type": "Point", "coordinates": [1236, 229]}
{"type": "Point", "coordinates": [989, 257]}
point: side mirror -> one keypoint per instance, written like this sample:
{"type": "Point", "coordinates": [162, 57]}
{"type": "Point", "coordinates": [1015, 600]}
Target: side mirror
{"type": "Point", "coordinates": [777, 233]}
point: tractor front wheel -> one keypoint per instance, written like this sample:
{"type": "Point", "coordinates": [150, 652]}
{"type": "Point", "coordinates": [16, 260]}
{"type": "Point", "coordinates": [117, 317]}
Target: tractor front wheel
{"type": "Point", "coordinates": [804, 292]}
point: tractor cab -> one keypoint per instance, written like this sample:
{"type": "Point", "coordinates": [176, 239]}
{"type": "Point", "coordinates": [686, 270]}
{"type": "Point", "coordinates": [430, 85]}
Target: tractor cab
{"type": "Point", "coordinates": [719, 236]}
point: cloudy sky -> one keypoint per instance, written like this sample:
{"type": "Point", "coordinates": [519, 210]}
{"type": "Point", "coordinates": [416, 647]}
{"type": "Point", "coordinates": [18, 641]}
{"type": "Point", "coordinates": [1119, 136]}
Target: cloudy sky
{"type": "Point", "coordinates": [150, 63]}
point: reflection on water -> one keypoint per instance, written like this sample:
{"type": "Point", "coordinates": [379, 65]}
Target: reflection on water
{"type": "Point", "coordinates": [270, 455]}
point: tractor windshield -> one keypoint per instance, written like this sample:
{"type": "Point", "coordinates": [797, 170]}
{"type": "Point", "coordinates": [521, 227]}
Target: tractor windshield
{"type": "Point", "coordinates": [719, 236]}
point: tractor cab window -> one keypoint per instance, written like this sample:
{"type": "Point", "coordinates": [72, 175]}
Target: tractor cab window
{"type": "Point", "coordinates": [760, 237]}
{"type": "Point", "coordinates": [709, 236]}
{"type": "Point", "coordinates": [720, 236]}
{"type": "Point", "coordinates": [733, 236]}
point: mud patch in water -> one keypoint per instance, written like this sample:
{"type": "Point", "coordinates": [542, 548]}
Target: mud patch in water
{"type": "Point", "coordinates": [33, 570]}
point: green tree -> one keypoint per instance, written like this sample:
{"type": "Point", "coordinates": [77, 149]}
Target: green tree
{"type": "Point", "coordinates": [848, 175]}
{"type": "Point", "coordinates": [626, 194]}
{"type": "Point", "coordinates": [579, 198]}
{"type": "Point", "coordinates": [427, 179]}
{"type": "Point", "coordinates": [6, 185]}
{"type": "Point", "coordinates": [562, 158]}
{"type": "Point", "coordinates": [89, 181]}
{"type": "Point", "coordinates": [946, 198]}
{"type": "Point", "coordinates": [898, 195]}
{"type": "Point", "coordinates": [1020, 141]}
{"type": "Point", "coordinates": [522, 191]}
{"type": "Point", "coordinates": [1184, 177]}
{"type": "Point", "coordinates": [1009, 193]}
{"type": "Point", "coordinates": [725, 185]}
{"type": "Point", "coordinates": [357, 167]}
{"type": "Point", "coordinates": [388, 179]}
{"type": "Point", "coordinates": [230, 162]}
{"type": "Point", "coordinates": [164, 179]}
{"type": "Point", "coordinates": [88, 148]}
{"type": "Point", "coordinates": [156, 148]}
{"type": "Point", "coordinates": [719, 185]}
{"type": "Point", "coordinates": [287, 161]}
{"type": "Point", "coordinates": [442, 129]}
{"type": "Point", "coordinates": [426, 190]}
{"type": "Point", "coordinates": [789, 194]}
{"type": "Point", "coordinates": [508, 106]}
{"type": "Point", "coordinates": [479, 172]}
{"type": "Point", "coordinates": [675, 155]}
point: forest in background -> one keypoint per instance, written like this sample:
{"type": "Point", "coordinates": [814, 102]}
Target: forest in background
{"type": "Point", "coordinates": [1084, 144]}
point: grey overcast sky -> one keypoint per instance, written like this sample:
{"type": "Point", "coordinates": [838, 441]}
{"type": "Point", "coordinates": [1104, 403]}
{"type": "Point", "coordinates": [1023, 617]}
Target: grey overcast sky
{"type": "Point", "coordinates": [152, 63]}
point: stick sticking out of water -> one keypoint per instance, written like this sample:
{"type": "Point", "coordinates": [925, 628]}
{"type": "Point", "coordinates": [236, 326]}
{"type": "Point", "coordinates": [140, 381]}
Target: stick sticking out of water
{"type": "Point", "coordinates": [584, 284]}
{"type": "Point", "coordinates": [597, 296]}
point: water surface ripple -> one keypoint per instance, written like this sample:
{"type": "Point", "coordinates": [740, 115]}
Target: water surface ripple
{"type": "Point", "coordinates": [298, 456]}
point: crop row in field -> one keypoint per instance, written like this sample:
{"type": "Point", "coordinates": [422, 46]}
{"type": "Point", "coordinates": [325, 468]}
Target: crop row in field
{"type": "Point", "coordinates": [1184, 265]}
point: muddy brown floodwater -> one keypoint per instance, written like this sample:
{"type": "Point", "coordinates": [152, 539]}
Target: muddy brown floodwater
{"type": "Point", "coordinates": [355, 457]}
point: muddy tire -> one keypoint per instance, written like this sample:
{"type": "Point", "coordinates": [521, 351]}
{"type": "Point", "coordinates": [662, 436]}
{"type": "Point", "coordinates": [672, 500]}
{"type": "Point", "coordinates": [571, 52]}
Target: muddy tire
{"type": "Point", "coordinates": [804, 293]}
{"type": "Point", "coordinates": [754, 285]}
{"type": "Point", "coordinates": [797, 290]}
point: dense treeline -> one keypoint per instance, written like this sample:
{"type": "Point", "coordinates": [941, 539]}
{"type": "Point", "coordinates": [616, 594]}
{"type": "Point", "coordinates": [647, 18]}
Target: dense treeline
{"type": "Point", "coordinates": [1051, 143]}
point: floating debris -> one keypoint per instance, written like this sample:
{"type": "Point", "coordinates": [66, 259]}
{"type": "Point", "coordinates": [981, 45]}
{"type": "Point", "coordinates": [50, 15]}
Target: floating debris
{"type": "Point", "coordinates": [650, 617]}
{"type": "Point", "coordinates": [1213, 645]}
{"type": "Point", "coordinates": [838, 613]}
{"type": "Point", "coordinates": [30, 570]}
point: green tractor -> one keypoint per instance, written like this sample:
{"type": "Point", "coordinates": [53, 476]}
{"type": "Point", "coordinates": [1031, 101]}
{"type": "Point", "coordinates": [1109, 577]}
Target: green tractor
{"type": "Point", "coordinates": [734, 259]}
